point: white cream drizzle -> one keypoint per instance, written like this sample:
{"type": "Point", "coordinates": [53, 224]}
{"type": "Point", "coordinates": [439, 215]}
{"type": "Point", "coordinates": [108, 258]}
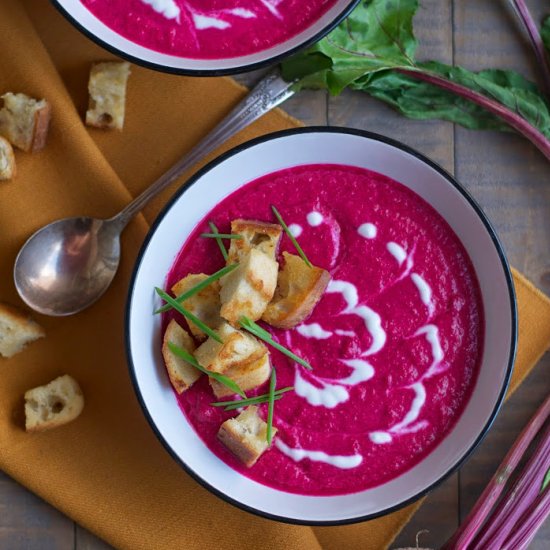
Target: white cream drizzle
{"type": "Point", "coordinates": [328, 395]}
{"type": "Point", "coordinates": [339, 461]}
{"type": "Point", "coordinates": [362, 371]}
{"type": "Point", "coordinates": [314, 330]}
{"type": "Point", "coordinates": [206, 22]}
{"type": "Point", "coordinates": [167, 8]}
{"type": "Point", "coordinates": [409, 424]}
{"type": "Point", "coordinates": [271, 5]}
{"type": "Point", "coordinates": [242, 12]}
{"type": "Point", "coordinates": [425, 291]}
{"type": "Point", "coordinates": [341, 332]}
{"type": "Point", "coordinates": [367, 230]}
{"type": "Point", "coordinates": [295, 229]}
{"type": "Point", "coordinates": [397, 251]}
{"type": "Point", "coordinates": [314, 218]}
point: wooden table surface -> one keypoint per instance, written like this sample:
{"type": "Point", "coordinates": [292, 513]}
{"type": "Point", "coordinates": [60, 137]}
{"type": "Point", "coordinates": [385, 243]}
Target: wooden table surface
{"type": "Point", "coordinates": [505, 174]}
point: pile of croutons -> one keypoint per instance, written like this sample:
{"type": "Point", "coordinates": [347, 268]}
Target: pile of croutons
{"type": "Point", "coordinates": [258, 290]}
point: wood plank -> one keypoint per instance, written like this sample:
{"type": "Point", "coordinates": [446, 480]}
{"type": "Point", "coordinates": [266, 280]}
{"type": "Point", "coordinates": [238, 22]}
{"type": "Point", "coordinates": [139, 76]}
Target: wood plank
{"type": "Point", "coordinates": [26, 521]}
{"type": "Point", "coordinates": [511, 181]}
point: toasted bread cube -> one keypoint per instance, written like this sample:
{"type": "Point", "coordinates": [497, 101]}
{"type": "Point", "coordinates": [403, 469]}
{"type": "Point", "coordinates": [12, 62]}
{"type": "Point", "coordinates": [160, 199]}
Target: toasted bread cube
{"type": "Point", "coordinates": [205, 304]}
{"type": "Point", "coordinates": [53, 405]}
{"type": "Point", "coordinates": [262, 236]}
{"type": "Point", "coordinates": [247, 376]}
{"type": "Point", "coordinates": [7, 160]}
{"type": "Point", "coordinates": [299, 289]}
{"type": "Point", "coordinates": [107, 89]}
{"type": "Point", "coordinates": [17, 330]}
{"type": "Point", "coordinates": [181, 373]}
{"type": "Point", "coordinates": [245, 436]}
{"type": "Point", "coordinates": [238, 348]}
{"type": "Point", "coordinates": [249, 288]}
{"type": "Point", "coordinates": [24, 121]}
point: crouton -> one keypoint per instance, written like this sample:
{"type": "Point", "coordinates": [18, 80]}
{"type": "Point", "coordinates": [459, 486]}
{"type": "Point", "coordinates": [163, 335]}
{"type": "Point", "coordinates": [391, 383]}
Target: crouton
{"type": "Point", "coordinates": [238, 348]}
{"type": "Point", "coordinates": [24, 121]}
{"type": "Point", "coordinates": [107, 89]}
{"type": "Point", "coordinates": [7, 160]}
{"type": "Point", "coordinates": [16, 330]}
{"type": "Point", "coordinates": [247, 376]}
{"type": "Point", "coordinates": [181, 373]}
{"type": "Point", "coordinates": [245, 436]}
{"type": "Point", "coordinates": [204, 304]}
{"type": "Point", "coordinates": [299, 289]}
{"type": "Point", "coordinates": [262, 236]}
{"type": "Point", "coordinates": [53, 405]}
{"type": "Point", "coordinates": [249, 288]}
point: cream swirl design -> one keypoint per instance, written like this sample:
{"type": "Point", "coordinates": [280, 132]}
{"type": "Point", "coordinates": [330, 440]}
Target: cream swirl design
{"type": "Point", "coordinates": [395, 342]}
{"type": "Point", "coordinates": [329, 393]}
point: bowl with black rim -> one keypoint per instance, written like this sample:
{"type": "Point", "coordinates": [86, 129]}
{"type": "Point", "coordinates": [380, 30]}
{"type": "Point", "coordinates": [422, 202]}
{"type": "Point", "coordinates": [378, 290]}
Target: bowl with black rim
{"type": "Point", "coordinates": [219, 179]}
{"type": "Point", "coordinates": [85, 21]}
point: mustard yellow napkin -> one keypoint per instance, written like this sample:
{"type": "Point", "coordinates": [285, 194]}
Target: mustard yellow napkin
{"type": "Point", "coordinates": [107, 470]}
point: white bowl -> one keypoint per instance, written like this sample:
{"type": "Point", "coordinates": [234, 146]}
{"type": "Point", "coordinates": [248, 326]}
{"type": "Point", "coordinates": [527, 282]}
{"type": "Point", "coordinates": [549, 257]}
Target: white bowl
{"type": "Point", "coordinates": [248, 162]}
{"type": "Point", "coordinates": [93, 28]}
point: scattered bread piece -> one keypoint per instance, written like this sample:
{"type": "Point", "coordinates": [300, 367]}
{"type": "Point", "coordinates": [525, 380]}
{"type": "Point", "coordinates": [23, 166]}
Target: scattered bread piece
{"type": "Point", "coordinates": [24, 121]}
{"type": "Point", "coordinates": [107, 89]}
{"type": "Point", "coordinates": [262, 236]}
{"type": "Point", "coordinates": [181, 373]}
{"type": "Point", "coordinates": [7, 160]}
{"type": "Point", "coordinates": [245, 436]}
{"type": "Point", "coordinates": [204, 304]}
{"type": "Point", "coordinates": [249, 288]}
{"type": "Point", "coordinates": [16, 330]}
{"type": "Point", "coordinates": [238, 348]}
{"type": "Point", "coordinates": [247, 376]}
{"type": "Point", "coordinates": [53, 405]}
{"type": "Point", "coordinates": [299, 289]}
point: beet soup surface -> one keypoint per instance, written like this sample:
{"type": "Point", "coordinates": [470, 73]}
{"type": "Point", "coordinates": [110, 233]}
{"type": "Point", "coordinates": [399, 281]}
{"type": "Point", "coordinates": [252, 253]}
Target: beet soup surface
{"type": "Point", "coordinates": [395, 342]}
{"type": "Point", "coordinates": [208, 29]}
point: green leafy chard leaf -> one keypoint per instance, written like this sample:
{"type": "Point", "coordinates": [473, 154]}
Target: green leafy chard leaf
{"type": "Point", "coordinates": [421, 100]}
{"type": "Point", "coordinates": [545, 481]}
{"type": "Point", "coordinates": [370, 50]}
{"type": "Point", "coordinates": [377, 35]}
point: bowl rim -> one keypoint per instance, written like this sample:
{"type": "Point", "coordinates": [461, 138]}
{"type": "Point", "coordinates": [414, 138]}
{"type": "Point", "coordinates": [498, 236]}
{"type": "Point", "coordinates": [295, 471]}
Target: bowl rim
{"type": "Point", "coordinates": [275, 60]}
{"type": "Point", "coordinates": [496, 243]}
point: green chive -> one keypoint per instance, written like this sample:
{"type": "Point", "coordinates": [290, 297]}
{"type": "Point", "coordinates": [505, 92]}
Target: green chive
{"type": "Point", "coordinates": [262, 334]}
{"type": "Point", "coordinates": [271, 406]}
{"type": "Point", "coordinates": [197, 288]}
{"type": "Point", "coordinates": [221, 236]}
{"type": "Point", "coordinates": [184, 354]}
{"type": "Point", "coordinates": [218, 240]}
{"type": "Point", "coordinates": [187, 314]}
{"type": "Point", "coordinates": [291, 236]}
{"type": "Point", "coordinates": [259, 399]}
{"type": "Point", "coordinates": [234, 407]}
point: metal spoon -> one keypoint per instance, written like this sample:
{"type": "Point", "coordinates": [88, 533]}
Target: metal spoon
{"type": "Point", "coordinates": [67, 265]}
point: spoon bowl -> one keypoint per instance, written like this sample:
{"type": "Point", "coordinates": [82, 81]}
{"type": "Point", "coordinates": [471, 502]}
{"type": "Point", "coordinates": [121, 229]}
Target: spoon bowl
{"type": "Point", "coordinates": [67, 265]}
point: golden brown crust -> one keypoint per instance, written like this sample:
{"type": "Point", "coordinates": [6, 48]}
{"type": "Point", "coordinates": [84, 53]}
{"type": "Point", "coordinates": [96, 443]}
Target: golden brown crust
{"type": "Point", "coordinates": [205, 304]}
{"type": "Point", "coordinates": [41, 127]}
{"type": "Point", "coordinates": [182, 375]}
{"type": "Point", "coordinates": [8, 168]}
{"type": "Point", "coordinates": [262, 236]}
{"type": "Point", "coordinates": [53, 405]}
{"type": "Point", "coordinates": [245, 436]}
{"type": "Point", "coordinates": [299, 289]}
{"type": "Point", "coordinates": [248, 376]}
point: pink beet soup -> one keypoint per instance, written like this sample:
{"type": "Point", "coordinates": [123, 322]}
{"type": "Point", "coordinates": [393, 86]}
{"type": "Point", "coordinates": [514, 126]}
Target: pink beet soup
{"type": "Point", "coordinates": [395, 342]}
{"type": "Point", "coordinates": [208, 29]}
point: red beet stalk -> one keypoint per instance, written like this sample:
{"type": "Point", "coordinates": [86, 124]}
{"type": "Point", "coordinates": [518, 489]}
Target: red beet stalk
{"type": "Point", "coordinates": [518, 500]}
{"type": "Point", "coordinates": [476, 518]}
{"type": "Point", "coordinates": [529, 523]}
{"type": "Point", "coordinates": [515, 121]}
{"type": "Point", "coordinates": [536, 41]}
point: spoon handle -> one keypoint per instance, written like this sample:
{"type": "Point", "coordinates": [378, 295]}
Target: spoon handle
{"type": "Point", "coordinates": [271, 91]}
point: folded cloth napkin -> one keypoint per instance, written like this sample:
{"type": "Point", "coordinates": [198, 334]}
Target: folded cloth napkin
{"type": "Point", "coordinates": [107, 470]}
